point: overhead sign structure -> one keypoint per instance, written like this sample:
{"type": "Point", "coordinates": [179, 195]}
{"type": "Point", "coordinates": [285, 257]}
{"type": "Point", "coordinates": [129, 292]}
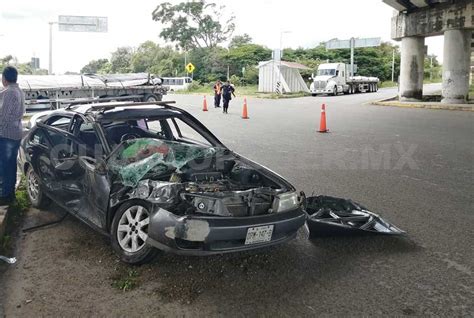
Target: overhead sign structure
{"type": "Point", "coordinates": [72, 23]}
{"type": "Point", "coordinates": [352, 43]}
{"type": "Point", "coordinates": [190, 68]}
{"type": "Point", "coordinates": [346, 44]}
{"type": "Point", "coordinates": [75, 23]}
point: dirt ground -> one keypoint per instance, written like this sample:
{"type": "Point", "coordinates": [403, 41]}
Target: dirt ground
{"type": "Point", "coordinates": [68, 268]}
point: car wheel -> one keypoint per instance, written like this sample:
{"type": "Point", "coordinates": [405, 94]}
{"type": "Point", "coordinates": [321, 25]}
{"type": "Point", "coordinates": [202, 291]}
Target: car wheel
{"type": "Point", "coordinates": [335, 91]}
{"type": "Point", "coordinates": [129, 233]}
{"type": "Point", "coordinates": [150, 98]}
{"type": "Point", "coordinates": [37, 198]}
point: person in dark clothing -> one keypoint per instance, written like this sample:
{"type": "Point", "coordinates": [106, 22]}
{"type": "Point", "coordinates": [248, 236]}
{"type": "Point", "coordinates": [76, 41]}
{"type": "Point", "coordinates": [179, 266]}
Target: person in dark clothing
{"type": "Point", "coordinates": [217, 93]}
{"type": "Point", "coordinates": [227, 92]}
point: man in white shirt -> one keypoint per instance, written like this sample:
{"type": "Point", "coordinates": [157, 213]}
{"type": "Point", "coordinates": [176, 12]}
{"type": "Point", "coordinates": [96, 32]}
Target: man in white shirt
{"type": "Point", "coordinates": [12, 108]}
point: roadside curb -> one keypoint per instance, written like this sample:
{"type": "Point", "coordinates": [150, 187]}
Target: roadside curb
{"type": "Point", "coordinates": [427, 105]}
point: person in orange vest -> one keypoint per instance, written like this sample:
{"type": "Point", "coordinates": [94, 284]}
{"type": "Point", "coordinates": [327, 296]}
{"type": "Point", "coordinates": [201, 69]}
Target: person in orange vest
{"type": "Point", "coordinates": [217, 93]}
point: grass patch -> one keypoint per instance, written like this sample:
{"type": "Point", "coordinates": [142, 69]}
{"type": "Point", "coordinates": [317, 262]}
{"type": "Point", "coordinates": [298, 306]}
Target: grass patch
{"type": "Point", "coordinates": [388, 84]}
{"type": "Point", "coordinates": [241, 91]}
{"type": "Point", "coordinates": [278, 96]}
{"type": "Point", "coordinates": [21, 203]}
{"type": "Point", "coordinates": [5, 242]}
{"type": "Point", "coordinates": [126, 280]}
{"type": "Point", "coordinates": [471, 92]}
{"type": "Point", "coordinates": [432, 81]}
{"type": "Point", "coordinates": [250, 90]}
{"type": "Point", "coordinates": [16, 212]}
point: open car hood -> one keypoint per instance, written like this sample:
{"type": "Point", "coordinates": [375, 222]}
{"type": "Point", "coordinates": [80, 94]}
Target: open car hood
{"type": "Point", "coordinates": [330, 216]}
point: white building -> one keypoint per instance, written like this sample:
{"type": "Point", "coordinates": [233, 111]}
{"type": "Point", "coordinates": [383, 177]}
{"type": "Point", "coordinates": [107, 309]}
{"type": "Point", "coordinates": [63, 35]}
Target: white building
{"type": "Point", "coordinates": [281, 76]}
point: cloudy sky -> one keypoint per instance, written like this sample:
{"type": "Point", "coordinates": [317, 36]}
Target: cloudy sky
{"type": "Point", "coordinates": [24, 26]}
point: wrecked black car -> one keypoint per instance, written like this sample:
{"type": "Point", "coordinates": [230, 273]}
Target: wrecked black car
{"type": "Point", "coordinates": [152, 177]}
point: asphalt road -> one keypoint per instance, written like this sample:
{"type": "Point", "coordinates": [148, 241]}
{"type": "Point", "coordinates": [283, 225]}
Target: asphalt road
{"type": "Point", "coordinates": [415, 167]}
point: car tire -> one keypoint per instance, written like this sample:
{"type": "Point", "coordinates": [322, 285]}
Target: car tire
{"type": "Point", "coordinates": [129, 232]}
{"type": "Point", "coordinates": [335, 91]}
{"type": "Point", "coordinates": [36, 196]}
{"type": "Point", "coordinates": [150, 98]}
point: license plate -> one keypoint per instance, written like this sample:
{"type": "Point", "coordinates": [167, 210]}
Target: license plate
{"type": "Point", "coordinates": [259, 234]}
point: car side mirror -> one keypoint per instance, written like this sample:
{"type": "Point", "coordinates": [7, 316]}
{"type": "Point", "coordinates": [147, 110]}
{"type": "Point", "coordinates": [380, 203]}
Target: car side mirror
{"type": "Point", "coordinates": [101, 167]}
{"type": "Point", "coordinates": [92, 164]}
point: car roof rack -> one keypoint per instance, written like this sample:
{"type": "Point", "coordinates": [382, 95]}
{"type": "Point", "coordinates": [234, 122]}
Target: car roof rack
{"type": "Point", "coordinates": [102, 107]}
{"type": "Point", "coordinates": [81, 101]}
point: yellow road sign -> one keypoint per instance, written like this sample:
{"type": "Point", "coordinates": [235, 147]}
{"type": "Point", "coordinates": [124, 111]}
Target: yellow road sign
{"type": "Point", "coordinates": [190, 68]}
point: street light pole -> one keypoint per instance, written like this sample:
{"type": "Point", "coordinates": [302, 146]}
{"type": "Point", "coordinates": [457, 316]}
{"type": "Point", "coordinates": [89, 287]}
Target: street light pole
{"type": "Point", "coordinates": [50, 67]}
{"type": "Point", "coordinates": [431, 68]}
{"type": "Point", "coordinates": [393, 65]}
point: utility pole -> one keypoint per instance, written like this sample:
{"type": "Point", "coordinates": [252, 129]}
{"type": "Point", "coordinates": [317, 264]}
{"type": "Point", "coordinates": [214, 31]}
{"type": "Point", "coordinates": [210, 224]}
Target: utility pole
{"type": "Point", "coordinates": [186, 61]}
{"type": "Point", "coordinates": [50, 67]}
{"type": "Point", "coordinates": [431, 68]}
{"type": "Point", "coordinates": [393, 65]}
{"type": "Point", "coordinates": [352, 56]}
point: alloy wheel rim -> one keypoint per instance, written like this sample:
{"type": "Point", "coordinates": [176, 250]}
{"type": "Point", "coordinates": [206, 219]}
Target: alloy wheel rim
{"type": "Point", "coordinates": [132, 230]}
{"type": "Point", "coordinates": [33, 186]}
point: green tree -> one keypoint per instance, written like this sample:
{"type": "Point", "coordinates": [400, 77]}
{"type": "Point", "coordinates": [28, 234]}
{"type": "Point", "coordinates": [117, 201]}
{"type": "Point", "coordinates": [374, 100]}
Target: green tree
{"type": "Point", "coordinates": [23, 68]}
{"type": "Point", "coordinates": [210, 64]}
{"type": "Point", "coordinates": [121, 59]}
{"type": "Point", "coordinates": [194, 24]}
{"type": "Point", "coordinates": [246, 55]}
{"type": "Point", "coordinates": [240, 40]}
{"type": "Point", "coordinates": [163, 61]}
{"type": "Point", "coordinates": [95, 66]}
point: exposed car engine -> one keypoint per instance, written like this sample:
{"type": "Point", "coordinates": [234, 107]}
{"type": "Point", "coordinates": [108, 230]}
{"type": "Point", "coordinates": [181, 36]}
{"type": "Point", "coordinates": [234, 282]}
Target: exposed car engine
{"type": "Point", "coordinates": [197, 180]}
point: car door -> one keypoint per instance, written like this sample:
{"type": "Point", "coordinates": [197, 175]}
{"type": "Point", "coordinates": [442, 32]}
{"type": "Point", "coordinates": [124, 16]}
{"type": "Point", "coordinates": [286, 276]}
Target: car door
{"type": "Point", "coordinates": [65, 170]}
{"type": "Point", "coordinates": [95, 182]}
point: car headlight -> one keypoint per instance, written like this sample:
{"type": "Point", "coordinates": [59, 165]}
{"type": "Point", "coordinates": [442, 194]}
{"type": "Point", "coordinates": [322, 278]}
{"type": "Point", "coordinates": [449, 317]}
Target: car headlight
{"type": "Point", "coordinates": [143, 190]}
{"type": "Point", "coordinates": [285, 202]}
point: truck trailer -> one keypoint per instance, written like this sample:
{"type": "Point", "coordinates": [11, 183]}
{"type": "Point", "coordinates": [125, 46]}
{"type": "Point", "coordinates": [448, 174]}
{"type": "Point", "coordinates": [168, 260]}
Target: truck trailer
{"type": "Point", "coordinates": [55, 91]}
{"type": "Point", "coordinates": [334, 78]}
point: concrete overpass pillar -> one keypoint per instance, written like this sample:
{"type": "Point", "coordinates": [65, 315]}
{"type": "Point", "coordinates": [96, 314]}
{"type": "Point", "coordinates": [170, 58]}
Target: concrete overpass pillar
{"type": "Point", "coordinates": [411, 68]}
{"type": "Point", "coordinates": [456, 66]}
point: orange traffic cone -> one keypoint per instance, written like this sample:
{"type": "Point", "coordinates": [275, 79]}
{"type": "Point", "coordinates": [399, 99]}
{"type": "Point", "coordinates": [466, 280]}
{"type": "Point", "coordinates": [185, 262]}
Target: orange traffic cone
{"type": "Point", "coordinates": [322, 123]}
{"type": "Point", "coordinates": [245, 114]}
{"type": "Point", "coordinates": [204, 104]}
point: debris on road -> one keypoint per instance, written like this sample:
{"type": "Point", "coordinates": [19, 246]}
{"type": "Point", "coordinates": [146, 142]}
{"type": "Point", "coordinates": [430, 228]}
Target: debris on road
{"type": "Point", "coordinates": [328, 216]}
{"type": "Point", "coordinates": [9, 260]}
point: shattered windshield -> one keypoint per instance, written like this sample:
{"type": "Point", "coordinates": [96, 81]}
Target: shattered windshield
{"type": "Point", "coordinates": [325, 72]}
{"type": "Point", "coordinates": [133, 159]}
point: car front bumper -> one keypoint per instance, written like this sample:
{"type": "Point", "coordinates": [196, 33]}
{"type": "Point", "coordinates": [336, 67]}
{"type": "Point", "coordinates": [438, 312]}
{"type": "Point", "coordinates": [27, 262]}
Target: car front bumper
{"type": "Point", "coordinates": [206, 235]}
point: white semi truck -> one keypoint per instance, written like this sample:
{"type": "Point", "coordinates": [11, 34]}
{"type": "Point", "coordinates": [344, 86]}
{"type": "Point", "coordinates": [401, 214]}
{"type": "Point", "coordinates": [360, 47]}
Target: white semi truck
{"type": "Point", "coordinates": [334, 78]}
{"type": "Point", "coordinates": [55, 91]}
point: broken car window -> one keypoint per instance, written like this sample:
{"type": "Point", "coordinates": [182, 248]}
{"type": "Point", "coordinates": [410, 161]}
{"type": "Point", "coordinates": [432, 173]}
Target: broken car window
{"type": "Point", "coordinates": [134, 159]}
{"type": "Point", "coordinates": [187, 132]}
